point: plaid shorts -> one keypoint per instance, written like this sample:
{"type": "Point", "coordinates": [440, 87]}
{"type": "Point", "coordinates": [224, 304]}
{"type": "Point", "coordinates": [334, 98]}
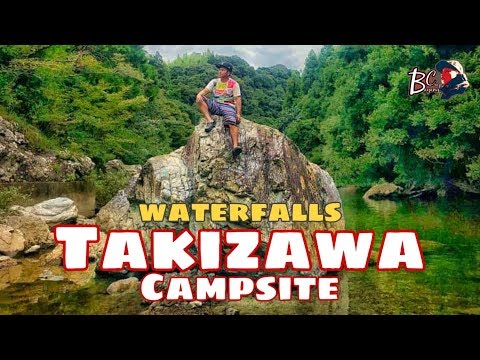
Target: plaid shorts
{"type": "Point", "coordinates": [228, 112]}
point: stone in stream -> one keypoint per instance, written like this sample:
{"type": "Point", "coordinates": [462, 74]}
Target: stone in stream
{"type": "Point", "coordinates": [195, 304]}
{"type": "Point", "coordinates": [48, 275]}
{"type": "Point", "coordinates": [124, 285]}
{"type": "Point", "coordinates": [82, 220]}
{"type": "Point", "coordinates": [32, 250]}
{"type": "Point", "coordinates": [6, 261]}
{"type": "Point", "coordinates": [12, 241]}
{"type": "Point", "coordinates": [392, 191]}
{"type": "Point", "coordinates": [382, 191]}
{"type": "Point", "coordinates": [54, 211]}
{"type": "Point", "coordinates": [54, 257]}
{"type": "Point", "coordinates": [232, 311]}
{"type": "Point", "coordinates": [34, 229]}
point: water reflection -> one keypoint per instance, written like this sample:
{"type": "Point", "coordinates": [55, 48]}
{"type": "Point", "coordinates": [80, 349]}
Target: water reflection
{"type": "Point", "coordinates": [384, 207]}
{"type": "Point", "coordinates": [81, 192]}
{"type": "Point", "coordinates": [449, 235]}
{"type": "Point", "coordinates": [448, 232]}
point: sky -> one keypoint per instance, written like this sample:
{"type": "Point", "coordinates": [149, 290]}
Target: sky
{"type": "Point", "coordinates": [292, 56]}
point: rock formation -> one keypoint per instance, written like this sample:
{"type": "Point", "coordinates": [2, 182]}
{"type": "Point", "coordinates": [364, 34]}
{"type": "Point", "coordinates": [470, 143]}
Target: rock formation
{"type": "Point", "coordinates": [11, 241]}
{"type": "Point", "coordinates": [19, 162]}
{"type": "Point", "coordinates": [34, 229]}
{"type": "Point", "coordinates": [270, 170]}
{"type": "Point", "coordinates": [60, 210]}
{"type": "Point", "coordinates": [392, 191]}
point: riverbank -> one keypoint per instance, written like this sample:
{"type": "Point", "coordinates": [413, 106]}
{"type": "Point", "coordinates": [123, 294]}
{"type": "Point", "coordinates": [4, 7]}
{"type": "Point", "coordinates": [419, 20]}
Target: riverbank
{"type": "Point", "coordinates": [449, 233]}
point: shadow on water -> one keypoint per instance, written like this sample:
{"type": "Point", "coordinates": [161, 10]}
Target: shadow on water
{"type": "Point", "coordinates": [81, 192]}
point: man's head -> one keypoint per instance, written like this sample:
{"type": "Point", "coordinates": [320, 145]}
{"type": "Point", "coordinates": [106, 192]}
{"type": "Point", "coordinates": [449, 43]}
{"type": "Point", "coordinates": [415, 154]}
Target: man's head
{"type": "Point", "coordinates": [449, 70]}
{"type": "Point", "coordinates": [224, 69]}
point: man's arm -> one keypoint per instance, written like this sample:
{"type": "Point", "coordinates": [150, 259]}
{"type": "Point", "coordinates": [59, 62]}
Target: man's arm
{"type": "Point", "coordinates": [238, 106]}
{"type": "Point", "coordinates": [202, 93]}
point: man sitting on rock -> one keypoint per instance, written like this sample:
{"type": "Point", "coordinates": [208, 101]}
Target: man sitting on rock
{"type": "Point", "coordinates": [227, 102]}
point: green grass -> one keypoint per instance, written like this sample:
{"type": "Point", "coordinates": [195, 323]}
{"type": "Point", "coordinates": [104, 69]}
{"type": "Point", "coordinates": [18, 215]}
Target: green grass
{"type": "Point", "coordinates": [11, 195]}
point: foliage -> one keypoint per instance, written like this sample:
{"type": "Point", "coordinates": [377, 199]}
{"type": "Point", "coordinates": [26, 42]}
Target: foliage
{"type": "Point", "coordinates": [11, 195]}
{"type": "Point", "coordinates": [348, 110]}
{"type": "Point", "coordinates": [357, 120]}
{"type": "Point", "coordinates": [107, 184]}
{"type": "Point", "coordinates": [93, 100]}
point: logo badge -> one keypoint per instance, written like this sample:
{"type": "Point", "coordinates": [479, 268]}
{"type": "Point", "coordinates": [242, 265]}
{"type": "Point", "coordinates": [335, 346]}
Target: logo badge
{"type": "Point", "coordinates": [447, 78]}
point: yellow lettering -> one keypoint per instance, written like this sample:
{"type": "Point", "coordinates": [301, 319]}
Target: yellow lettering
{"type": "Point", "coordinates": [258, 211]}
{"type": "Point", "coordinates": [331, 209]}
{"type": "Point", "coordinates": [199, 210]}
{"type": "Point", "coordinates": [178, 212]}
{"type": "Point", "coordinates": [314, 213]}
{"type": "Point", "coordinates": [297, 213]}
{"type": "Point", "coordinates": [219, 212]}
{"type": "Point", "coordinates": [238, 211]}
{"type": "Point", "coordinates": [279, 212]}
{"type": "Point", "coordinates": [152, 212]}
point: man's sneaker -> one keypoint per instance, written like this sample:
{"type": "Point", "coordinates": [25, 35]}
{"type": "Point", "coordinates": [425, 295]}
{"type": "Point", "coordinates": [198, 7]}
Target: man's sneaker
{"type": "Point", "coordinates": [210, 126]}
{"type": "Point", "coordinates": [236, 151]}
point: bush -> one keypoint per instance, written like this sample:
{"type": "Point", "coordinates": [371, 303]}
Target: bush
{"type": "Point", "coordinates": [107, 184]}
{"type": "Point", "coordinates": [11, 195]}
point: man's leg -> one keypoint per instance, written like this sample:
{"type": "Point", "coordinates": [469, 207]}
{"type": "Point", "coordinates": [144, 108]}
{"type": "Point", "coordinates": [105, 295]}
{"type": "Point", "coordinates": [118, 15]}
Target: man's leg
{"type": "Point", "coordinates": [234, 135]}
{"type": "Point", "coordinates": [203, 107]}
{"type": "Point", "coordinates": [230, 120]}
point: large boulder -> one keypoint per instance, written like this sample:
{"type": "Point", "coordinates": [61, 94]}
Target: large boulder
{"type": "Point", "coordinates": [270, 170]}
{"type": "Point", "coordinates": [11, 241]}
{"type": "Point", "coordinates": [382, 191]}
{"type": "Point", "coordinates": [34, 229]}
{"type": "Point", "coordinates": [10, 274]}
{"type": "Point", "coordinates": [60, 210]}
{"type": "Point", "coordinates": [116, 213]}
{"type": "Point", "coordinates": [392, 191]}
{"type": "Point", "coordinates": [20, 162]}
{"type": "Point", "coordinates": [96, 249]}
{"type": "Point", "coordinates": [54, 257]}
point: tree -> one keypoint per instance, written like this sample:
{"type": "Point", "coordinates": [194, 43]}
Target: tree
{"type": "Point", "coordinates": [309, 71]}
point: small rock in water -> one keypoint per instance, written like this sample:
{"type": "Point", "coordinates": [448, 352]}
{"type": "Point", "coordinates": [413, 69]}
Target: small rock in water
{"type": "Point", "coordinates": [195, 304]}
{"type": "Point", "coordinates": [32, 249]}
{"type": "Point", "coordinates": [232, 311]}
{"type": "Point", "coordinates": [48, 276]}
{"type": "Point", "coordinates": [121, 286]}
{"type": "Point", "coordinates": [6, 261]}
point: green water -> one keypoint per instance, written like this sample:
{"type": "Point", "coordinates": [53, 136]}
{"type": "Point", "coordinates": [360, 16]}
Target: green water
{"type": "Point", "coordinates": [450, 238]}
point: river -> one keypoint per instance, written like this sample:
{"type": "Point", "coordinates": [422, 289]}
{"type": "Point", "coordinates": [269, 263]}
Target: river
{"type": "Point", "coordinates": [81, 192]}
{"type": "Point", "coordinates": [449, 232]}
{"type": "Point", "coordinates": [450, 236]}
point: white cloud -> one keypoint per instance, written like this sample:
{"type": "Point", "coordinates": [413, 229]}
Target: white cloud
{"type": "Point", "coordinates": [292, 56]}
